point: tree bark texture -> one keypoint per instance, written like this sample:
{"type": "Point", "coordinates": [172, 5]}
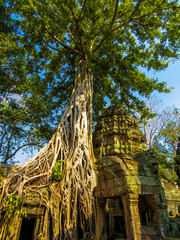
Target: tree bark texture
{"type": "Point", "coordinates": [70, 202]}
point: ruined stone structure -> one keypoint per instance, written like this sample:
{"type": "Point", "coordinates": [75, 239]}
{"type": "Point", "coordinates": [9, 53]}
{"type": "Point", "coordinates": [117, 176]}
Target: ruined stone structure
{"type": "Point", "coordinates": [30, 221]}
{"type": "Point", "coordinates": [132, 203]}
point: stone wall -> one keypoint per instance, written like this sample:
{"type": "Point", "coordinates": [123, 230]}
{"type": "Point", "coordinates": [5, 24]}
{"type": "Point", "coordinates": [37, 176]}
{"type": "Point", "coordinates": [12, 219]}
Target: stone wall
{"type": "Point", "coordinates": [128, 173]}
{"type": "Point", "coordinates": [117, 133]}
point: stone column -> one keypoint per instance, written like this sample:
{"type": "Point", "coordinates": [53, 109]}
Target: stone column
{"type": "Point", "coordinates": [132, 219]}
{"type": "Point", "coordinates": [101, 220]}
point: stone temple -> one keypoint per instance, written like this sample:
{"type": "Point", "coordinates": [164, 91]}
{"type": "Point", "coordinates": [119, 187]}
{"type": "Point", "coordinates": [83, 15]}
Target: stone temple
{"type": "Point", "coordinates": [132, 202]}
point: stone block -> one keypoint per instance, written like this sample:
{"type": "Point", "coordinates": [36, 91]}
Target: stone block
{"type": "Point", "coordinates": [119, 182]}
{"type": "Point", "coordinates": [33, 198]}
{"type": "Point", "coordinates": [145, 189]}
{"type": "Point", "coordinates": [131, 180]}
{"type": "Point", "coordinates": [110, 183]}
{"type": "Point", "coordinates": [34, 210]}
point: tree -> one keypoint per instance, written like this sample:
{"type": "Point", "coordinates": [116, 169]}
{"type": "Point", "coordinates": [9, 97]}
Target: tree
{"type": "Point", "coordinates": [26, 112]}
{"type": "Point", "coordinates": [165, 145]}
{"type": "Point", "coordinates": [161, 131]}
{"type": "Point", "coordinates": [103, 43]}
{"type": "Point", "coordinates": [26, 119]}
{"type": "Point", "coordinates": [17, 134]}
{"type": "Point", "coordinates": [35, 52]}
{"type": "Point", "coordinates": [177, 160]}
{"type": "Point", "coordinates": [169, 134]}
{"type": "Point", "coordinates": [160, 122]}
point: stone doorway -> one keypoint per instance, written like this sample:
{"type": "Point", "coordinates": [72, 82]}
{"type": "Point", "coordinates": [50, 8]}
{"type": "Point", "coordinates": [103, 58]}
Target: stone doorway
{"type": "Point", "coordinates": [115, 219]}
{"type": "Point", "coordinates": [27, 228]}
{"type": "Point", "coordinates": [146, 211]}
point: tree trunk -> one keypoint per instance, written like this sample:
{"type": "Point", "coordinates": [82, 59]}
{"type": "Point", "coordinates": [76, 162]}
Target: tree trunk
{"type": "Point", "coordinates": [70, 200]}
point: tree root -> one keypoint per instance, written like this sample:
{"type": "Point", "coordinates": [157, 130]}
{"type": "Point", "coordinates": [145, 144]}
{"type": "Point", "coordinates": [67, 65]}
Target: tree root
{"type": "Point", "coordinates": [70, 200]}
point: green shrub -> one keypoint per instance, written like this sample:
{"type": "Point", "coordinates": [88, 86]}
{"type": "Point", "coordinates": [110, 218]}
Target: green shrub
{"type": "Point", "coordinates": [57, 174]}
{"type": "Point", "coordinates": [13, 206]}
{"type": "Point", "coordinates": [1, 176]}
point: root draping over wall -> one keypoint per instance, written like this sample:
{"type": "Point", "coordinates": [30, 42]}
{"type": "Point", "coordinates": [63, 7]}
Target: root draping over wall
{"type": "Point", "coordinates": [70, 200]}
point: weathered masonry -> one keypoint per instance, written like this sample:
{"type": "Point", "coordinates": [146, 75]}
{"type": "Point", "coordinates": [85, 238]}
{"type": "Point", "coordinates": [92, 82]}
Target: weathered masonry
{"type": "Point", "coordinates": [132, 202]}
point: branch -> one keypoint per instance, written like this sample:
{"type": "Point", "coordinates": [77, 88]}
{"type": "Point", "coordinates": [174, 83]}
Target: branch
{"type": "Point", "coordinates": [152, 132]}
{"type": "Point", "coordinates": [2, 140]}
{"type": "Point", "coordinates": [148, 14]}
{"type": "Point", "coordinates": [115, 12]}
{"type": "Point", "coordinates": [105, 37]}
{"type": "Point", "coordinates": [61, 43]}
{"type": "Point", "coordinates": [100, 44]}
{"type": "Point", "coordinates": [145, 133]}
{"type": "Point", "coordinates": [82, 9]}
{"type": "Point", "coordinates": [136, 8]}
{"type": "Point", "coordinates": [77, 26]}
{"type": "Point", "coordinates": [126, 22]}
{"type": "Point", "coordinates": [146, 31]}
{"type": "Point", "coordinates": [121, 25]}
{"type": "Point", "coordinates": [57, 39]}
{"type": "Point", "coordinates": [45, 41]}
{"type": "Point", "coordinates": [124, 13]}
{"type": "Point", "coordinates": [70, 33]}
{"type": "Point", "coordinates": [25, 145]}
{"type": "Point", "coordinates": [8, 147]}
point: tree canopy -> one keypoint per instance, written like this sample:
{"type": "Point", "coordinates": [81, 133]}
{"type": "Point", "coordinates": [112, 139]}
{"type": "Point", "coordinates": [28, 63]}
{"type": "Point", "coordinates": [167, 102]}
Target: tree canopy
{"type": "Point", "coordinates": [43, 41]}
{"type": "Point", "coordinates": [161, 133]}
{"type": "Point", "coordinates": [166, 142]}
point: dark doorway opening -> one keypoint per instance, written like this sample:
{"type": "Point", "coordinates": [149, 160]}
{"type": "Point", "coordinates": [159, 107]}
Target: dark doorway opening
{"type": "Point", "coordinates": [115, 219]}
{"type": "Point", "coordinates": [145, 209]}
{"type": "Point", "coordinates": [27, 228]}
{"type": "Point", "coordinates": [119, 224]}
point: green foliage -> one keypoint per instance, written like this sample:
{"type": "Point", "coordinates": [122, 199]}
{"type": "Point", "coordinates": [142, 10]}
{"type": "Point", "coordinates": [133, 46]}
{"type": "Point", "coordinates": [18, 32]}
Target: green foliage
{"type": "Point", "coordinates": [177, 160]}
{"type": "Point", "coordinates": [165, 145]}
{"type": "Point", "coordinates": [169, 175]}
{"type": "Point", "coordinates": [43, 41]}
{"type": "Point", "coordinates": [161, 134]}
{"type": "Point", "coordinates": [166, 164]}
{"type": "Point", "coordinates": [169, 134]}
{"type": "Point", "coordinates": [57, 174]}
{"type": "Point", "coordinates": [13, 206]}
{"type": "Point", "coordinates": [26, 107]}
{"type": "Point", "coordinates": [1, 176]}
{"type": "Point", "coordinates": [98, 167]}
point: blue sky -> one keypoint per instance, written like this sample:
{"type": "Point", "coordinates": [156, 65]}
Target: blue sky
{"type": "Point", "coordinates": [172, 76]}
